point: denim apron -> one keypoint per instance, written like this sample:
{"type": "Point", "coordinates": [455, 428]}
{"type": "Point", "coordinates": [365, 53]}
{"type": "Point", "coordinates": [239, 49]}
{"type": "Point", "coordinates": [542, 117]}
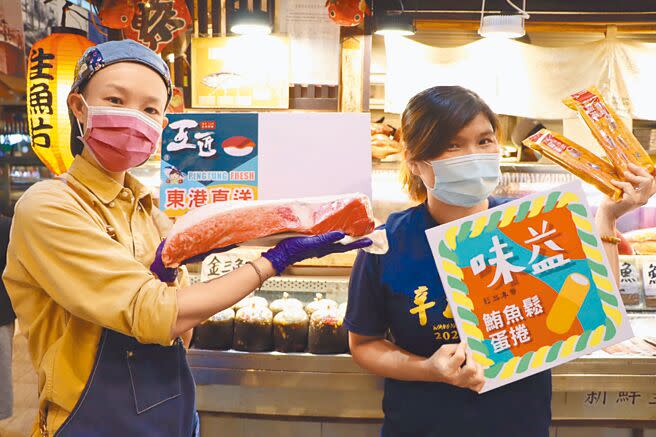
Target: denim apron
{"type": "Point", "coordinates": [135, 389]}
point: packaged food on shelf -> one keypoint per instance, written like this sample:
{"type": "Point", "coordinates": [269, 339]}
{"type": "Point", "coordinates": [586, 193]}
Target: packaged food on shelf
{"type": "Point", "coordinates": [577, 160]}
{"type": "Point", "coordinates": [381, 128]}
{"type": "Point", "coordinates": [630, 281]}
{"type": "Point", "coordinates": [383, 146]}
{"type": "Point", "coordinates": [290, 330]}
{"type": "Point", "coordinates": [284, 303]}
{"type": "Point", "coordinates": [327, 334]}
{"type": "Point", "coordinates": [319, 303]}
{"type": "Point", "coordinates": [635, 346]}
{"type": "Point", "coordinates": [251, 300]}
{"type": "Point", "coordinates": [227, 223]}
{"type": "Point", "coordinates": [643, 241]}
{"type": "Point", "coordinates": [617, 140]}
{"type": "Point", "coordinates": [342, 309]}
{"type": "Point", "coordinates": [253, 329]}
{"type": "Point", "coordinates": [216, 332]}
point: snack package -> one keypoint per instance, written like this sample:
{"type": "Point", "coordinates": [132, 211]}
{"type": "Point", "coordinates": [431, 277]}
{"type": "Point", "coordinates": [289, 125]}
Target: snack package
{"type": "Point", "coordinates": [216, 332]}
{"type": "Point", "coordinates": [577, 160]}
{"type": "Point", "coordinates": [319, 303]}
{"type": "Point", "coordinates": [643, 241]}
{"type": "Point", "coordinates": [285, 303]}
{"type": "Point", "coordinates": [618, 141]}
{"type": "Point", "coordinates": [327, 335]}
{"type": "Point", "coordinates": [290, 330]}
{"type": "Point", "coordinates": [253, 329]}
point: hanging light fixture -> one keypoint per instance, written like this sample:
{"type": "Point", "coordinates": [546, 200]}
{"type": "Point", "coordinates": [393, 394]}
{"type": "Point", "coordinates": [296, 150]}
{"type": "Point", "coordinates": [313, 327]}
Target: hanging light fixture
{"type": "Point", "coordinates": [400, 24]}
{"type": "Point", "coordinates": [504, 25]}
{"type": "Point", "coordinates": [253, 22]}
{"type": "Point", "coordinates": [50, 70]}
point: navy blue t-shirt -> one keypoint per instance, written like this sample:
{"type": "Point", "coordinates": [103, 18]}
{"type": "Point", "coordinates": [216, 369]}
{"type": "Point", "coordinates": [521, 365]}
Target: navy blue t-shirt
{"type": "Point", "coordinates": [381, 298]}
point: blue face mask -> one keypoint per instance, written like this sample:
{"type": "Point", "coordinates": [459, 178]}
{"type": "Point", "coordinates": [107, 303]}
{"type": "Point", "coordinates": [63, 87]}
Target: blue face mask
{"type": "Point", "coordinates": [465, 180]}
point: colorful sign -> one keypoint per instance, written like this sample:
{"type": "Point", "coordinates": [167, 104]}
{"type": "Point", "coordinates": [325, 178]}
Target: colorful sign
{"type": "Point", "coordinates": [529, 284]}
{"type": "Point", "coordinates": [240, 72]}
{"type": "Point", "coordinates": [208, 158]}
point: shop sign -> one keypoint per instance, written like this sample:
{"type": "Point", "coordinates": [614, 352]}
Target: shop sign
{"type": "Point", "coordinates": [605, 405]}
{"type": "Point", "coordinates": [208, 158]}
{"type": "Point", "coordinates": [240, 72]}
{"type": "Point", "coordinates": [529, 284]}
{"type": "Point", "coordinates": [156, 23]}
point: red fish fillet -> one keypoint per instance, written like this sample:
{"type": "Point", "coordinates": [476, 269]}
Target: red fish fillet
{"type": "Point", "coordinates": [223, 224]}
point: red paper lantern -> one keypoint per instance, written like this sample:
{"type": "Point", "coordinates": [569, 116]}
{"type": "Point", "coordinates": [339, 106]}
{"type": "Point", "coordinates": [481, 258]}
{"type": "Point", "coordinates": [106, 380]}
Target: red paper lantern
{"type": "Point", "coordinates": [51, 66]}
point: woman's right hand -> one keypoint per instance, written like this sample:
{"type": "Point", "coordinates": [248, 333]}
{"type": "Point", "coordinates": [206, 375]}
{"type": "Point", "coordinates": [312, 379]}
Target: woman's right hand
{"type": "Point", "coordinates": [454, 364]}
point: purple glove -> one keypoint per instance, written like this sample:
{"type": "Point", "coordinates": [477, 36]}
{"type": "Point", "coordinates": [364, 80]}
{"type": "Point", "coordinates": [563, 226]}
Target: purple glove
{"type": "Point", "coordinates": [295, 249]}
{"type": "Point", "coordinates": [166, 274]}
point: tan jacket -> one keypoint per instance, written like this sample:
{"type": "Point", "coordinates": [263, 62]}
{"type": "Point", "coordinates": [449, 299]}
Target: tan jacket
{"type": "Point", "coordinates": [78, 261]}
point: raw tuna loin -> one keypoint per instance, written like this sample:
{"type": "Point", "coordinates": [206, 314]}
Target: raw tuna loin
{"type": "Point", "coordinates": [223, 224]}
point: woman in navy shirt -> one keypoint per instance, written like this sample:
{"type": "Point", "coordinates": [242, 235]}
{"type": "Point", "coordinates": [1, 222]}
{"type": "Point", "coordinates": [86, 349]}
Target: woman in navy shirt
{"type": "Point", "coordinates": [431, 385]}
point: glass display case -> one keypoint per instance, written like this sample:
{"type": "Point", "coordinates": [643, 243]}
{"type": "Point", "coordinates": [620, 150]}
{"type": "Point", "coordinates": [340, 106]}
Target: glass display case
{"type": "Point", "coordinates": [305, 390]}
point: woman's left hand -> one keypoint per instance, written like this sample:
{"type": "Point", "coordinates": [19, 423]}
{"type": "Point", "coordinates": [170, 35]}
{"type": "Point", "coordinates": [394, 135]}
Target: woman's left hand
{"type": "Point", "coordinates": [168, 275]}
{"type": "Point", "coordinates": [638, 189]}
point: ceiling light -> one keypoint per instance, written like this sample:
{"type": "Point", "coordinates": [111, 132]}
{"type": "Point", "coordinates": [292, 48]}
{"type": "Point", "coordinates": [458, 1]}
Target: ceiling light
{"type": "Point", "coordinates": [505, 24]}
{"type": "Point", "coordinates": [502, 26]}
{"type": "Point", "coordinates": [250, 23]}
{"type": "Point", "coordinates": [397, 24]}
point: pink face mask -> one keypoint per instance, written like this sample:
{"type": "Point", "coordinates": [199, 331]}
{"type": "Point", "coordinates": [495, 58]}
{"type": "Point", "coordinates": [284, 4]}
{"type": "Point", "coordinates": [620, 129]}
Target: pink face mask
{"type": "Point", "coordinates": [120, 138]}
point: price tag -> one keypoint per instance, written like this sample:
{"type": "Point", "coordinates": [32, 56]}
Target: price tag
{"type": "Point", "coordinates": [630, 282]}
{"type": "Point", "coordinates": [219, 264]}
{"type": "Point", "coordinates": [649, 277]}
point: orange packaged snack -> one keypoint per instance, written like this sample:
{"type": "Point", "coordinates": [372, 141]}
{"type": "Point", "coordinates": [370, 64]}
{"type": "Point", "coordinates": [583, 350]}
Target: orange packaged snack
{"type": "Point", "coordinates": [577, 160]}
{"type": "Point", "coordinates": [619, 143]}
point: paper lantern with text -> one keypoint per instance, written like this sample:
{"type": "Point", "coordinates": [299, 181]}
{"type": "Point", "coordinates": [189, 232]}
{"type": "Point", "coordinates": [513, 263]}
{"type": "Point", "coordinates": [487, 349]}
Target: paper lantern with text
{"type": "Point", "coordinates": [50, 70]}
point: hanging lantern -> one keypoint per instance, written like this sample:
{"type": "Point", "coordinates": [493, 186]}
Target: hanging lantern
{"type": "Point", "coordinates": [51, 65]}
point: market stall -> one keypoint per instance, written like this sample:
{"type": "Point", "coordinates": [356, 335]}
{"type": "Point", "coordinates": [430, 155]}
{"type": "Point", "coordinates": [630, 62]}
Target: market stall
{"type": "Point", "coordinates": [309, 394]}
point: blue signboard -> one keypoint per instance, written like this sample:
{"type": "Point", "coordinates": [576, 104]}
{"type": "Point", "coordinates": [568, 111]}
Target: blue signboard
{"type": "Point", "coordinates": [208, 158]}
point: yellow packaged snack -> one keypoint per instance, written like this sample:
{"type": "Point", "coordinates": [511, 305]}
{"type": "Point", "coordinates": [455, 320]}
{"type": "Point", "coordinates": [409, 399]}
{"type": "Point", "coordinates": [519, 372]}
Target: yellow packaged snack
{"type": "Point", "coordinates": [577, 160]}
{"type": "Point", "coordinates": [619, 143]}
